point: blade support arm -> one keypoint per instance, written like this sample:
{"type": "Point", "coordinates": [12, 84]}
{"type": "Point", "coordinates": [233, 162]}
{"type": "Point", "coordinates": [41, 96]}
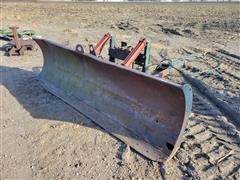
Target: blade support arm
{"type": "Point", "coordinates": [130, 59]}
{"type": "Point", "coordinates": [99, 47]}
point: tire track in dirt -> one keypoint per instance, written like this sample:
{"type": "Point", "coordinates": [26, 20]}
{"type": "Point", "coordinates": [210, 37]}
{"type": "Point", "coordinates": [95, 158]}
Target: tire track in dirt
{"type": "Point", "coordinates": [218, 82]}
{"type": "Point", "coordinates": [207, 142]}
{"type": "Point", "coordinates": [211, 143]}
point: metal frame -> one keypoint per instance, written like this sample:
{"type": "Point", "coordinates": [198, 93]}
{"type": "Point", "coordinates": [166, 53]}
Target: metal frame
{"type": "Point", "coordinates": [18, 46]}
{"type": "Point", "coordinates": [139, 55]}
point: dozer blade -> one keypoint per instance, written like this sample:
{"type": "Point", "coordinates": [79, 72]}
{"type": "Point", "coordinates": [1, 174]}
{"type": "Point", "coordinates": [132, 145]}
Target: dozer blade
{"type": "Point", "coordinates": [147, 113]}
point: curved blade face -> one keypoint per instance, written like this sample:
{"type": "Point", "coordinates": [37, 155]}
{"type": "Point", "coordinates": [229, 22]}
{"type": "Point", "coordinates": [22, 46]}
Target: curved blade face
{"type": "Point", "coordinates": [147, 113]}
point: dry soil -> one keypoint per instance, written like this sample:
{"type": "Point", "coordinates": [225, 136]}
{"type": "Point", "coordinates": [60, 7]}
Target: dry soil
{"type": "Point", "coordinates": [43, 138]}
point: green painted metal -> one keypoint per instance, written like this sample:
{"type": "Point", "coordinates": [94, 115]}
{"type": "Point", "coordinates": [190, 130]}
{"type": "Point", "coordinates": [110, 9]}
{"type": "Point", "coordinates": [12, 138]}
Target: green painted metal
{"type": "Point", "coordinates": [21, 34]}
{"type": "Point", "coordinates": [147, 55]}
{"type": "Point", "coordinates": [5, 33]}
{"type": "Point", "coordinates": [27, 34]}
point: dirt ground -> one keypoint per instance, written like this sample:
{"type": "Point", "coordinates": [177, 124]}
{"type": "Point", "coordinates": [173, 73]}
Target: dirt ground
{"type": "Point", "coordinates": [43, 138]}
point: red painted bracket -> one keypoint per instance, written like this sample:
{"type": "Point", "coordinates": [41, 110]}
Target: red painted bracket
{"type": "Point", "coordinates": [132, 56]}
{"type": "Point", "coordinates": [99, 47]}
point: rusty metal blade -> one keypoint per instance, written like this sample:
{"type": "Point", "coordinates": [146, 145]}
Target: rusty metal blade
{"type": "Point", "coordinates": [145, 112]}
